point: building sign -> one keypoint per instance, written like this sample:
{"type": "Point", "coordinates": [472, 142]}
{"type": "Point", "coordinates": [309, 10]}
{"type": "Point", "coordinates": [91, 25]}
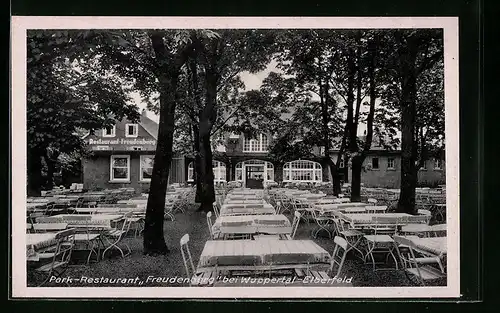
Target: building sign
{"type": "Point", "coordinates": [122, 141]}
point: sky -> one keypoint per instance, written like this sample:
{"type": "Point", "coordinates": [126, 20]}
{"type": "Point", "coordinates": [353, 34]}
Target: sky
{"type": "Point", "coordinates": [251, 81]}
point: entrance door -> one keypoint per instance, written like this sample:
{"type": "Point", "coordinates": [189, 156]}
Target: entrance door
{"type": "Point", "coordinates": [254, 176]}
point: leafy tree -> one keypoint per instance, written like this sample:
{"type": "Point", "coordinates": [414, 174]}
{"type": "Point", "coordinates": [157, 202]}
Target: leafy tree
{"type": "Point", "coordinates": [418, 56]}
{"type": "Point", "coordinates": [61, 99]}
{"type": "Point", "coordinates": [214, 67]}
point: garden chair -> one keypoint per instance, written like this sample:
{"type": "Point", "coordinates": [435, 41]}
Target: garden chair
{"type": "Point", "coordinates": [34, 216]}
{"type": "Point", "coordinates": [339, 254]}
{"type": "Point", "coordinates": [169, 211]}
{"type": "Point", "coordinates": [216, 210]}
{"type": "Point", "coordinates": [323, 222]}
{"type": "Point", "coordinates": [115, 236]}
{"type": "Point", "coordinates": [59, 257]}
{"type": "Point", "coordinates": [29, 228]}
{"type": "Point", "coordinates": [137, 221]}
{"type": "Point", "coordinates": [195, 279]}
{"type": "Point", "coordinates": [353, 237]}
{"type": "Point", "coordinates": [380, 242]}
{"type": "Point", "coordinates": [210, 225]}
{"type": "Point", "coordinates": [413, 264]}
{"type": "Point", "coordinates": [372, 201]}
{"type": "Point", "coordinates": [85, 234]}
{"type": "Point", "coordinates": [295, 225]}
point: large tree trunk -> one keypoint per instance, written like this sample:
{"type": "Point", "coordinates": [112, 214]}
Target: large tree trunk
{"type": "Point", "coordinates": [154, 241]}
{"type": "Point", "coordinates": [206, 119]}
{"type": "Point", "coordinates": [50, 160]}
{"type": "Point", "coordinates": [334, 172]}
{"type": "Point", "coordinates": [406, 203]}
{"type": "Point", "coordinates": [206, 194]}
{"type": "Point", "coordinates": [168, 75]}
{"type": "Point", "coordinates": [34, 172]}
{"type": "Point", "coordinates": [357, 166]}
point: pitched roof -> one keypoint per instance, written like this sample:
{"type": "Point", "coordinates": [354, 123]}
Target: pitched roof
{"type": "Point", "coordinates": [378, 143]}
{"type": "Point", "coordinates": [149, 125]}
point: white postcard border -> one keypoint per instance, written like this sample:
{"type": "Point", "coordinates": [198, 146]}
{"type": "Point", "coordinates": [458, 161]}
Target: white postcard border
{"type": "Point", "coordinates": [20, 24]}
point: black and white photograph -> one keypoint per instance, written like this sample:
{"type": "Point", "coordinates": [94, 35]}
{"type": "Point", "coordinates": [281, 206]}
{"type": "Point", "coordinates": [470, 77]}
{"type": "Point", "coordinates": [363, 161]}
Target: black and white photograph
{"type": "Point", "coordinates": [283, 157]}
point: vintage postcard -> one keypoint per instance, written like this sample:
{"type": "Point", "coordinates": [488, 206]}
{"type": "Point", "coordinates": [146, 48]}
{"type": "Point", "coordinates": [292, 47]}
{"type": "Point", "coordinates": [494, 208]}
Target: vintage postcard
{"type": "Point", "coordinates": [285, 157]}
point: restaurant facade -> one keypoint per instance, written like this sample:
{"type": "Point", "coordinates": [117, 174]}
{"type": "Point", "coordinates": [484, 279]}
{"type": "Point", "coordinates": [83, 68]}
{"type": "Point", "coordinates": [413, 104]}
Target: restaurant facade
{"type": "Point", "coordinates": [123, 156]}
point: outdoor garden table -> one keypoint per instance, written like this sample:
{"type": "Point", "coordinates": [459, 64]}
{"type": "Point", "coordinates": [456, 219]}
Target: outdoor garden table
{"type": "Point", "coordinates": [337, 207]}
{"type": "Point", "coordinates": [366, 218]}
{"type": "Point", "coordinates": [97, 220]}
{"type": "Point", "coordinates": [244, 201]}
{"type": "Point", "coordinates": [255, 255]}
{"type": "Point", "coordinates": [433, 245]}
{"type": "Point", "coordinates": [252, 224]}
{"type": "Point", "coordinates": [38, 241]}
{"type": "Point", "coordinates": [35, 205]}
{"type": "Point", "coordinates": [247, 210]}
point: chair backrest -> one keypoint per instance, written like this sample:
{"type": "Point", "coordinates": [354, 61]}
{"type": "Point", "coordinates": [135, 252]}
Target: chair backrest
{"type": "Point", "coordinates": [295, 223]}
{"type": "Point", "coordinates": [209, 223]}
{"type": "Point", "coordinates": [424, 212]}
{"type": "Point", "coordinates": [65, 242]}
{"type": "Point", "coordinates": [216, 209]}
{"type": "Point", "coordinates": [381, 222]}
{"type": "Point", "coordinates": [186, 256]}
{"type": "Point", "coordinates": [42, 227]}
{"type": "Point", "coordinates": [338, 255]}
{"type": "Point", "coordinates": [403, 241]}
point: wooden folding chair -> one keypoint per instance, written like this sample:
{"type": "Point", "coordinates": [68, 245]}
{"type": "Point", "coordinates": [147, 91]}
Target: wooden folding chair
{"type": "Point", "coordinates": [59, 257]}
{"type": "Point", "coordinates": [115, 236]}
{"type": "Point", "coordinates": [381, 242]}
{"type": "Point", "coordinates": [353, 237]}
{"type": "Point", "coordinates": [339, 254]}
{"type": "Point", "coordinates": [205, 278]}
{"type": "Point", "coordinates": [295, 225]}
{"type": "Point", "coordinates": [413, 264]}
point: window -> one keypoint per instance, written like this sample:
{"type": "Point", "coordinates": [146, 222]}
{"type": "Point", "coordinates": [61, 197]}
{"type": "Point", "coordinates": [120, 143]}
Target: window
{"type": "Point", "coordinates": [109, 131]}
{"type": "Point", "coordinates": [341, 164]}
{"type": "Point", "coordinates": [302, 171]}
{"type": "Point", "coordinates": [259, 144]}
{"type": "Point", "coordinates": [102, 148]}
{"type": "Point", "coordinates": [131, 130]}
{"type": "Point", "coordinates": [120, 168]}
{"type": "Point", "coordinates": [190, 172]}
{"type": "Point", "coordinates": [390, 163]}
{"type": "Point", "coordinates": [438, 164]}
{"type": "Point", "coordinates": [267, 169]}
{"type": "Point", "coordinates": [147, 162]}
{"type": "Point", "coordinates": [218, 167]}
{"type": "Point", "coordinates": [375, 163]}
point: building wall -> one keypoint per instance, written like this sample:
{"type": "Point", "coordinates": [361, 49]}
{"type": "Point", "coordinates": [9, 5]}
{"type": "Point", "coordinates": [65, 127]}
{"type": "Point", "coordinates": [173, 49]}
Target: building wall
{"type": "Point", "coordinates": [96, 172]}
{"type": "Point", "coordinates": [391, 178]}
